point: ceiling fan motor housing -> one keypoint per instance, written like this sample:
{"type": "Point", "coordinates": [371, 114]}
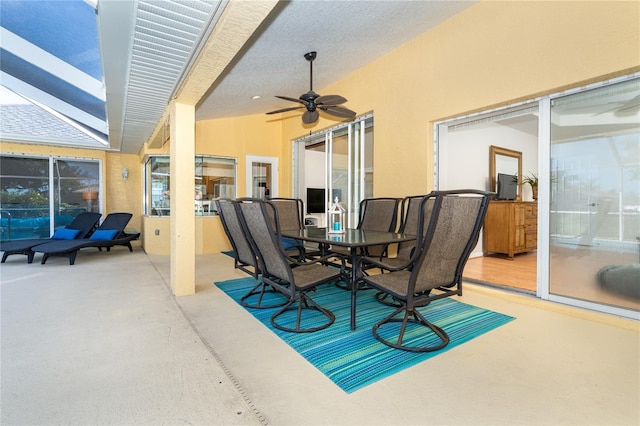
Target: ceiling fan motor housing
{"type": "Point", "coordinates": [310, 98]}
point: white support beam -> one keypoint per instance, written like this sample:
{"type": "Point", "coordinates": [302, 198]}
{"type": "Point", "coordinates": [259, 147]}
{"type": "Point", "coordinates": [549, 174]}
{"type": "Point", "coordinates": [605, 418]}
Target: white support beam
{"type": "Point", "coordinates": [53, 65]}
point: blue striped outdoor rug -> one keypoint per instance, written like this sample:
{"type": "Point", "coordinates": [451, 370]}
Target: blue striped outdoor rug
{"type": "Point", "coordinates": [353, 359]}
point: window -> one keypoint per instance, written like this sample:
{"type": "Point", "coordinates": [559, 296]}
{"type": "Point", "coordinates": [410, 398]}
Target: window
{"type": "Point", "coordinates": [214, 177]}
{"type": "Point", "coordinates": [39, 195]}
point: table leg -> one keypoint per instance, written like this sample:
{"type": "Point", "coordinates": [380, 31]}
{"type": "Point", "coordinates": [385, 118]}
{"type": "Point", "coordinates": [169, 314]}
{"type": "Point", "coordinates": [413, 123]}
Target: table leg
{"type": "Point", "coordinates": [354, 285]}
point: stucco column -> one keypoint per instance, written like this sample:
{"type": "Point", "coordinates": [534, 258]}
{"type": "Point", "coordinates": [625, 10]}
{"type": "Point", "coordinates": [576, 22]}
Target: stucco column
{"type": "Point", "coordinates": [182, 186]}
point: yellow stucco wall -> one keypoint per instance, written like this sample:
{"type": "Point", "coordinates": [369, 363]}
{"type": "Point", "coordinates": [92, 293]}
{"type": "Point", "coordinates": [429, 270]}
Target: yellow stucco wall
{"type": "Point", "coordinates": [238, 137]}
{"type": "Point", "coordinates": [494, 53]}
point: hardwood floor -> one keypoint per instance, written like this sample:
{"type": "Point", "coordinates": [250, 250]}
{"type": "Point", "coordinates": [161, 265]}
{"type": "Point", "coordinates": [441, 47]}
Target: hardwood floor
{"type": "Point", "coordinates": [519, 273]}
{"type": "Point", "coordinates": [574, 276]}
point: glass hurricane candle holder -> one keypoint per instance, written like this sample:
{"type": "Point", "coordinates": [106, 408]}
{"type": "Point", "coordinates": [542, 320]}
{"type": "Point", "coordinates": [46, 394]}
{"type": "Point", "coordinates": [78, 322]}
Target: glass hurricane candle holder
{"type": "Point", "coordinates": [336, 218]}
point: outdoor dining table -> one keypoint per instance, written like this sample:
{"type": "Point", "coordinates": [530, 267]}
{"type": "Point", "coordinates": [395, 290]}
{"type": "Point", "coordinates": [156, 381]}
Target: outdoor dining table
{"type": "Point", "coordinates": [352, 239]}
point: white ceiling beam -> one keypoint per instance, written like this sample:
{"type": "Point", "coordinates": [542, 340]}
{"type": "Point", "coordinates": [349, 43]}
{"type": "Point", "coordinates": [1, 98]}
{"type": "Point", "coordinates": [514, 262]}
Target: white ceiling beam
{"type": "Point", "coordinates": [52, 102]}
{"type": "Point", "coordinates": [53, 65]}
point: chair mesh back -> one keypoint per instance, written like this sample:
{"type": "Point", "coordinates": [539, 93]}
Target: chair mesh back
{"type": "Point", "coordinates": [289, 212]}
{"type": "Point", "coordinates": [411, 209]}
{"type": "Point", "coordinates": [117, 221]}
{"type": "Point", "coordinates": [258, 224]}
{"type": "Point", "coordinates": [235, 233]}
{"type": "Point", "coordinates": [378, 214]}
{"type": "Point", "coordinates": [84, 222]}
{"type": "Point", "coordinates": [451, 235]}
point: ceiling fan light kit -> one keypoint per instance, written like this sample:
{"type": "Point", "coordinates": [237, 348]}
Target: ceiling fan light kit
{"type": "Point", "coordinates": [312, 102]}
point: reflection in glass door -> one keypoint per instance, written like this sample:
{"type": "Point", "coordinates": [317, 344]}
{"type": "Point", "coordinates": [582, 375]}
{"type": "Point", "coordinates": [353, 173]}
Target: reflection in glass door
{"type": "Point", "coordinates": [594, 221]}
{"type": "Point", "coordinates": [75, 179]}
{"type": "Point", "coordinates": [262, 177]}
{"type": "Point", "coordinates": [345, 177]}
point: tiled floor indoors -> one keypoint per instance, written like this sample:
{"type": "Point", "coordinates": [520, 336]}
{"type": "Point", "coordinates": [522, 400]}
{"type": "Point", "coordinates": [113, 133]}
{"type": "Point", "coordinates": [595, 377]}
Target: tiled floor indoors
{"type": "Point", "coordinates": [105, 342]}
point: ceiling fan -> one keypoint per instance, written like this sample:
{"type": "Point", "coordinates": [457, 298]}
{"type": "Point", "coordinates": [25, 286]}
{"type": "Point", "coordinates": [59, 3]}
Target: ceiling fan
{"type": "Point", "coordinates": [313, 102]}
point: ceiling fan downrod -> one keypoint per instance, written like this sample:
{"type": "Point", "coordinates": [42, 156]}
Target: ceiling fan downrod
{"type": "Point", "coordinates": [310, 56]}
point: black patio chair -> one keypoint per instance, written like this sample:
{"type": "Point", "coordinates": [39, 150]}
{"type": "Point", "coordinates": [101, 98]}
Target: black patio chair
{"type": "Point", "coordinates": [291, 216]}
{"type": "Point", "coordinates": [245, 258]}
{"type": "Point", "coordinates": [109, 234]}
{"type": "Point", "coordinates": [290, 213]}
{"type": "Point", "coordinates": [435, 268]}
{"type": "Point", "coordinates": [80, 227]}
{"type": "Point", "coordinates": [409, 217]}
{"type": "Point", "coordinates": [376, 214]}
{"type": "Point", "coordinates": [288, 276]}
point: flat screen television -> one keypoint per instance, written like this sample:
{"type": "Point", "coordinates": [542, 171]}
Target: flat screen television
{"type": "Point", "coordinates": [315, 200]}
{"type": "Point", "coordinates": [507, 187]}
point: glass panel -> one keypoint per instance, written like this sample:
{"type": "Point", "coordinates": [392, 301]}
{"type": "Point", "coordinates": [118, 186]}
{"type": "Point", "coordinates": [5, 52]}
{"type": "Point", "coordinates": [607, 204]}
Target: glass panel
{"type": "Point", "coordinates": [595, 195]}
{"type": "Point", "coordinates": [368, 158]}
{"type": "Point", "coordinates": [24, 198]}
{"type": "Point", "coordinates": [261, 179]}
{"type": "Point", "coordinates": [25, 194]}
{"type": "Point", "coordinates": [158, 184]}
{"type": "Point", "coordinates": [76, 186]}
{"type": "Point", "coordinates": [347, 151]}
{"type": "Point", "coordinates": [215, 177]}
{"type": "Point", "coordinates": [51, 49]}
{"type": "Point", "coordinates": [339, 176]}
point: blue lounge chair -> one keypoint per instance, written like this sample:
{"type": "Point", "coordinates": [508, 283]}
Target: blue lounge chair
{"type": "Point", "coordinates": [109, 234]}
{"type": "Point", "coordinates": [80, 227]}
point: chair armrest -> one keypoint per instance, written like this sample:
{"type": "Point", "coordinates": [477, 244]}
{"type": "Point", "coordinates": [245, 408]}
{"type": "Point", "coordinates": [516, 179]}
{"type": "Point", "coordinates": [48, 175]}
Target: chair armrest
{"type": "Point", "coordinates": [375, 263]}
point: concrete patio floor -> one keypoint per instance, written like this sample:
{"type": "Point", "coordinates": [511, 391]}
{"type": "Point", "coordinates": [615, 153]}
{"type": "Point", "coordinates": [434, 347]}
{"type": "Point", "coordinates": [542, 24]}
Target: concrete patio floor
{"type": "Point", "coordinates": [105, 342]}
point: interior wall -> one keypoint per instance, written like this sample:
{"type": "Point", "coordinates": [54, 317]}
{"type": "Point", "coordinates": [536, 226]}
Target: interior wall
{"type": "Point", "coordinates": [314, 172]}
{"type": "Point", "coordinates": [465, 159]}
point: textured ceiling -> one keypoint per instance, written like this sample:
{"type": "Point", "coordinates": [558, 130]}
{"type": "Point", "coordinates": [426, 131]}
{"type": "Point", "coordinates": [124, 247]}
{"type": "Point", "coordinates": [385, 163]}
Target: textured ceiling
{"type": "Point", "coordinates": [346, 34]}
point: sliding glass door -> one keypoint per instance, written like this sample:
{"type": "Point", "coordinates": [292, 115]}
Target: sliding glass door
{"type": "Point", "coordinates": [594, 218]}
{"type": "Point", "coordinates": [39, 195]}
{"type": "Point", "coordinates": [337, 163]}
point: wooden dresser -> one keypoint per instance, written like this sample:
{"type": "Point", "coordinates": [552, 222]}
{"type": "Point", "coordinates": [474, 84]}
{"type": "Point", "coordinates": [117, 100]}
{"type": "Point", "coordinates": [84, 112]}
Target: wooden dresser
{"type": "Point", "coordinates": [511, 227]}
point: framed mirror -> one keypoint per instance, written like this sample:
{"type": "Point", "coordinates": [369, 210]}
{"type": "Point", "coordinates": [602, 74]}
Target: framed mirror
{"type": "Point", "coordinates": [506, 162]}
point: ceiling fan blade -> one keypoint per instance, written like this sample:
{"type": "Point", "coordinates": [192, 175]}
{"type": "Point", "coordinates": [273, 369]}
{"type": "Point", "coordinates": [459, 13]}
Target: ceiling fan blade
{"type": "Point", "coordinates": [310, 117]}
{"type": "Point", "coordinates": [286, 98]}
{"type": "Point", "coordinates": [330, 100]}
{"type": "Point", "coordinates": [338, 111]}
{"type": "Point", "coordinates": [284, 110]}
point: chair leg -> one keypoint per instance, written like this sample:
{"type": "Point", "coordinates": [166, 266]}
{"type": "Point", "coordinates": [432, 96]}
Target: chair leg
{"type": "Point", "coordinates": [260, 289]}
{"type": "Point", "coordinates": [304, 303]}
{"type": "Point", "coordinates": [30, 256]}
{"type": "Point", "coordinates": [413, 317]}
{"type": "Point", "coordinates": [4, 256]}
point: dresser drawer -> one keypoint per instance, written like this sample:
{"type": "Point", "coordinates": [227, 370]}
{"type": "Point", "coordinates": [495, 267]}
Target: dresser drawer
{"type": "Point", "coordinates": [531, 211]}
